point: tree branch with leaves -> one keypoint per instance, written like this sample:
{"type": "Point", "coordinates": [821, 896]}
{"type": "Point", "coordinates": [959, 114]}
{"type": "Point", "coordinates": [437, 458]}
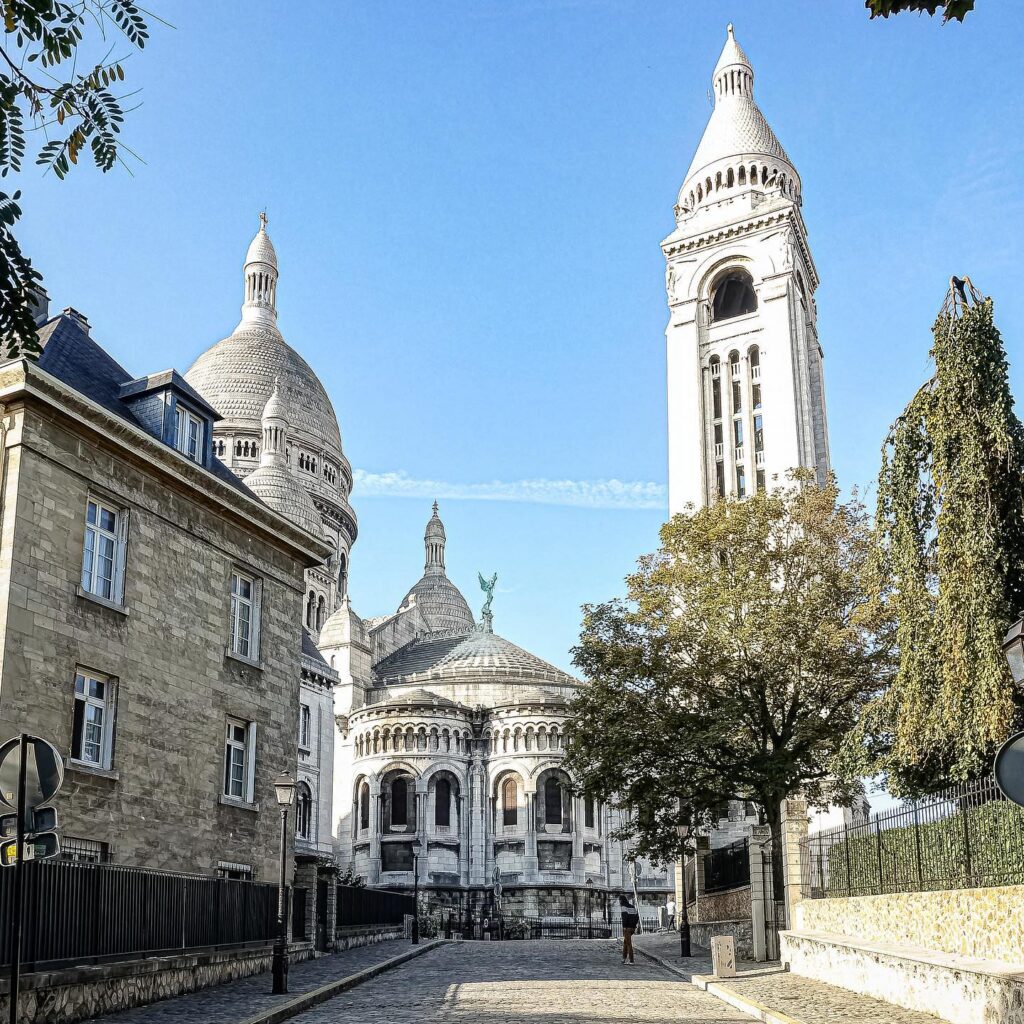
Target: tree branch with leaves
{"type": "Point", "coordinates": [42, 91]}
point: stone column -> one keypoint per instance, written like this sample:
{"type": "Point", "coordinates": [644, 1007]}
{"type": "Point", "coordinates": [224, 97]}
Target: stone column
{"type": "Point", "coordinates": [463, 839]}
{"type": "Point", "coordinates": [578, 863]}
{"type": "Point", "coordinates": [760, 883]}
{"type": "Point", "coordinates": [530, 866]}
{"type": "Point", "coordinates": [477, 855]}
{"type": "Point", "coordinates": [703, 844]}
{"type": "Point", "coordinates": [376, 827]}
{"type": "Point", "coordinates": [794, 828]}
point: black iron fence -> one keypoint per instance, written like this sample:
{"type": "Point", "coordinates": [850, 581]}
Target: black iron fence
{"type": "Point", "coordinates": [360, 907]}
{"type": "Point", "coordinates": [727, 867]}
{"type": "Point", "coordinates": [299, 897]}
{"type": "Point", "coordinates": [962, 838]}
{"type": "Point", "coordinates": [78, 913]}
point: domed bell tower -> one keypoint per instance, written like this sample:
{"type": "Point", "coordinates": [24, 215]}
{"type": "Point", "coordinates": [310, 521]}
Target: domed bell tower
{"type": "Point", "coordinates": [746, 398]}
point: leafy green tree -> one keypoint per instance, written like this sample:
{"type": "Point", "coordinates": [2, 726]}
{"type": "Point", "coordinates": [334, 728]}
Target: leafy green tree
{"type": "Point", "coordinates": [951, 9]}
{"type": "Point", "coordinates": [950, 559]}
{"type": "Point", "coordinates": [742, 656]}
{"type": "Point", "coordinates": [75, 111]}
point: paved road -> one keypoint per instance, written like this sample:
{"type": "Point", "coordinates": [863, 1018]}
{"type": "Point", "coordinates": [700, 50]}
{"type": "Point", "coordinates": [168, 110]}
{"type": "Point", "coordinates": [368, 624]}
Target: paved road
{"type": "Point", "coordinates": [541, 982]}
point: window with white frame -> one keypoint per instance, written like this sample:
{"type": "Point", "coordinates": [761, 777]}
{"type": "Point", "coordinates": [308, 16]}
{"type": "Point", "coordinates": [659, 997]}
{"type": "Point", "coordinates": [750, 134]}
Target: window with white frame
{"type": "Point", "coordinates": [304, 811]}
{"type": "Point", "coordinates": [103, 556]}
{"type": "Point", "coordinates": [92, 730]}
{"type": "Point", "coordinates": [245, 615]}
{"type": "Point", "coordinates": [239, 759]}
{"type": "Point", "coordinates": [305, 725]}
{"type": "Point", "coordinates": [188, 434]}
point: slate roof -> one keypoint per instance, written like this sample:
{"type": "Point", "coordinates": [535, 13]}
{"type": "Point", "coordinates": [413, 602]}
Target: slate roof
{"type": "Point", "coordinates": [310, 651]}
{"type": "Point", "coordinates": [71, 355]}
{"type": "Point", "coordinates": [475, 654]}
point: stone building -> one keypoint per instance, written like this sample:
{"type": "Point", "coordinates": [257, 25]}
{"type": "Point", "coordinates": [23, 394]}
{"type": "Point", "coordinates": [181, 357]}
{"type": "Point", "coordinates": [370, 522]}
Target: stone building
{"type": "Point", "coordinates": [449, 762]}
{"type": "Point", "coordinates": [746, 393]}
{"type": "Point", "coordinates": [148, 603]}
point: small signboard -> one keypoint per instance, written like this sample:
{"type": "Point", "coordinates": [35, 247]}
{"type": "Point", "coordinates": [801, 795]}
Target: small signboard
{"type": "Point", "coordinates": [1009, 768]}
{"type": "Point", "coordinates": [44, 771]}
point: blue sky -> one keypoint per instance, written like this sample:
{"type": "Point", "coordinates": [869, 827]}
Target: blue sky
{"type": "Point", "coordinates": [467, 200]}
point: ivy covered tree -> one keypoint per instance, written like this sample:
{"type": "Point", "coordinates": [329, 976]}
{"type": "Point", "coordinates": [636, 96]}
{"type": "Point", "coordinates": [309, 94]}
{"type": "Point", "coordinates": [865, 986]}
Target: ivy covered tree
{"type": "Point", "coordinates": [950, 559]}
{"type": "Point", "coordinates": [741, 658]}
{"type": "Point", "coordinates": [74, 112]}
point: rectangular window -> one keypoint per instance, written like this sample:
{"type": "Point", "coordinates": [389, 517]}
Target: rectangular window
{"type": "Point", "coordinates": [716, 397]}
{"type": "Point", "coordinates": [245, 615]}
{"type": "Point", "coordinates": [755, 392]}
{"type": "Point", "coordinates": [239, 759]}
{"type": "Point", "coordinates": [737, 396]}
{"type": "Point", "coordinates": [188, 434]}
{"type": "Point", "coordinates": [305, 725]}
{"type": "Point", "coordinates": [720, 473]}
{"type": "Point", "coordinates": [758, 434]}
{"type": "Point", "coordinates": [106, 534]}
{"type": "Point", "coordinates": [760, 479]}
{"type": "Point", "coordinates": [741, 482]}
{"type": "Point", "coordinates": [92, 729]}
{"type": "Point", "coordinates": [737, 433]}
{"type": "Point", "coordinates": [83, 851]}
{"type": "Point", "coordinates": [238, 872]}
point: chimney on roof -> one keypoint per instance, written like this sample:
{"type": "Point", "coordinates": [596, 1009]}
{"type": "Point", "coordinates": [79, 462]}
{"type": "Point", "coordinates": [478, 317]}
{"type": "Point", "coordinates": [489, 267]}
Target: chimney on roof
{"type": "Point", "coordinates": [80, 318]}
{"type": "Point", "coordinates": [39, 304]}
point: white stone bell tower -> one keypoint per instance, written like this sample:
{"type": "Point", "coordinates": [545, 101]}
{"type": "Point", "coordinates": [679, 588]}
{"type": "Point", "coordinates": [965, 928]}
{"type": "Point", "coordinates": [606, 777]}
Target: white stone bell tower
{"type": "Point", "coordinates": [746, 395]}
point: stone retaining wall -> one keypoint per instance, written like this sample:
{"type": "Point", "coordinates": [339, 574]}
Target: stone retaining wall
{"type": "Point", "coordinates": [986, 923]}
{"type": "Point", "coordinates": [742, 932]}
{"type": "Point", "coordinates": [732, 905]}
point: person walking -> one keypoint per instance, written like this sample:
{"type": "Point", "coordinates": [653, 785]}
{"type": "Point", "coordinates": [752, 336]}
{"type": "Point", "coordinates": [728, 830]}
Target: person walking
{"type": "Point", "coordinates": [630, 920]}
{"type": "Point", "coordinates": [670, 913]}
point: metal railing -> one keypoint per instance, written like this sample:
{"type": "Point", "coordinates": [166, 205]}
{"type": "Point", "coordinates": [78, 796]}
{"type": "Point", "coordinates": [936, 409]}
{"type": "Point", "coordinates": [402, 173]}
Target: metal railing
{"type": "Point", "coordinates": [80, 913]}
{"type": "Point", "coordinates": [727, 867]}
{"type": "Point", "coordinates": [359, 907]}
{"type": "Point", "coordinates": [962, 838]}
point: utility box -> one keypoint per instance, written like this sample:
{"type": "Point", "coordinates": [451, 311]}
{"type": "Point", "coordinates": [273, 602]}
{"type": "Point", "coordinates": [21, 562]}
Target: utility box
{"type": "Point", "coordinates": [723, 956]}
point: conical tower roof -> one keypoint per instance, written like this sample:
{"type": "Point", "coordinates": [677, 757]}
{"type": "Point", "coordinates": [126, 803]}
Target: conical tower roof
{"type": "Point", "coordinates": [737, 135]}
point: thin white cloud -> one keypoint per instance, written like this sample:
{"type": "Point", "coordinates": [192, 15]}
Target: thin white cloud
{"type": "Point", "coordinates": [607, 494]}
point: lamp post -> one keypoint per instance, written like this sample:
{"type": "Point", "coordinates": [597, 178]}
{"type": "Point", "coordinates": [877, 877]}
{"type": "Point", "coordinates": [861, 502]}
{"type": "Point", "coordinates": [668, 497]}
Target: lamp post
{"type": "Point", "coordinates": [1013, 649]}
{"type": "Point", "coordinates": [284, 785]}
{"type": "Point", "coordinates": [590, 913]}
{"type": "Point", "coordinates": [684, 918]}
{"type": "Point", "coordinates": [415, 892]}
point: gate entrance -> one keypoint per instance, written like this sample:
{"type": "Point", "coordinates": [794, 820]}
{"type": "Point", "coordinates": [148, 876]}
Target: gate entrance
{"type": "Point", "coordinates": [321, 917]}
{"type": "Point", "coordinates": [774, 906]}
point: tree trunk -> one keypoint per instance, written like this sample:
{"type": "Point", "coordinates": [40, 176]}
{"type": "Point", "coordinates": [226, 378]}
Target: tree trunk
{"type": "Point", "coordinates": [773, 818]}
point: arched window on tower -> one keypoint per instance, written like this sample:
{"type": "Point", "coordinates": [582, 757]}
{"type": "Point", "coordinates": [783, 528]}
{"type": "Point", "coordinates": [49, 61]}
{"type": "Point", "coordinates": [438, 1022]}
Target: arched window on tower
{"type": "Point", "coordinates": [310, 609]}
{"type": "Point", "coordinates": [443, 803]}
{"type": "Point", "coordinates": [509, 803]}
{"type": "Point", "coordinates": [733, 296]}
{"type": "Point", "coordinates": [399, 801]}
{"type": "Point", "coordinates": [342, 575]}
{"type": "Point", "coordinates": [588, 811]}
{"type": "Point", "coordinates": [321, 612]}
{"type": "Point", "coordinates": [364, 805]}
{"type": "Point", "coordinates": [552, 802]}
{"type": "Point", "coordinates": [303, 811]}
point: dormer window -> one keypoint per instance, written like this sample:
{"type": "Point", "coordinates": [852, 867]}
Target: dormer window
{"type": "Point", "coordinates": [188, 434]}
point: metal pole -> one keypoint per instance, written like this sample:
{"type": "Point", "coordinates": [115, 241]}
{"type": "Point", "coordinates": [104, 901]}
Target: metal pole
{"type": "Point", "coordinates": [415, 898]}
{"type": "Point", "coordinates": [280, 962]}
{"type": "Point", "coordinates": [684, 915]}
{"type": "Point", "coordinates": [19, 882]}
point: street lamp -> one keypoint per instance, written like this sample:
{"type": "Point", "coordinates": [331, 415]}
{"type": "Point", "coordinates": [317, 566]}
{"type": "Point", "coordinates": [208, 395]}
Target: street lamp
{"type": "Point", "coordinates": [415, 892]}
{"type": "Point", "coordinates": [684, 917]}
{"type": "Point", "coordinates": [284, 785]}
{"type": "Point", "coordinates": [1013, 649]}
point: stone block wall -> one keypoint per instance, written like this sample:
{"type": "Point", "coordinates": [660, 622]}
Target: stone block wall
{"type": "Point", "coordinates": [702, 932]}
{"type": "Point", "coordinates": [732, 905]}
{"type": "Point", "coordinates": [986, 923]}
{"type": "Point", "coordinates": [160, 803]}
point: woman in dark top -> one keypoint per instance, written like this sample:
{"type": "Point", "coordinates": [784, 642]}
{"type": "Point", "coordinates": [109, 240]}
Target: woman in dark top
{"type": "Point", "coordinates": [630, 920]}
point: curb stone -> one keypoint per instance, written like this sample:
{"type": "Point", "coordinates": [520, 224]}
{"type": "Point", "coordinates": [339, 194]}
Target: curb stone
{"type": "Point", "coordinates": [320, 995]}
{"type": "Point", "coordinates": [715, 988]}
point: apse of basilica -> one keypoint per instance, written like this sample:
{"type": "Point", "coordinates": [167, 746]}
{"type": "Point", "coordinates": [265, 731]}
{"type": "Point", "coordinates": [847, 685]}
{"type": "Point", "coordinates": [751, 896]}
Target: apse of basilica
{"type": "Point", "coordinates": [426, 740]}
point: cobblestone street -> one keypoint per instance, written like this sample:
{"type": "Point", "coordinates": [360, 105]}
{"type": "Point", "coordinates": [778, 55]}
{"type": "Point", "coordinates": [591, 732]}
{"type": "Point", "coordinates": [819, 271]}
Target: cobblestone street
{"type": "Point", "coordinates": [541, 982]}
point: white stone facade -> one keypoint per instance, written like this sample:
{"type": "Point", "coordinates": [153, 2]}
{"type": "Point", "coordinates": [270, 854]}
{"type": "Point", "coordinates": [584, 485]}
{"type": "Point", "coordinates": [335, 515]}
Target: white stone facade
{"type": "Point", "coordinates": [452, 738]}
{"type": "Point", "coordinates": [746, 401]}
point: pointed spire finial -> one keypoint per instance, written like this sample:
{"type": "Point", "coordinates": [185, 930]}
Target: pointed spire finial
{"type": "Point", "coordinates": [263, 212]}
{"type": "Point", "coordinates": [435, 506]}
{"type": "Point", "coordinates": [728, 28]}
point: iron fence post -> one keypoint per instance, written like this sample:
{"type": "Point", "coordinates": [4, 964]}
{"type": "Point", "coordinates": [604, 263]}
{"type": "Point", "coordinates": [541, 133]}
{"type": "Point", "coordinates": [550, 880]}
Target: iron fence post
{"type": "Point", "coordinates": [917, 845]}
{"type": "Point", "coordinates": [967, 839]}
{"type": "Point", "coordinates": [849, 863]}
{"type": "Point", "coordinates": [878, 831]}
